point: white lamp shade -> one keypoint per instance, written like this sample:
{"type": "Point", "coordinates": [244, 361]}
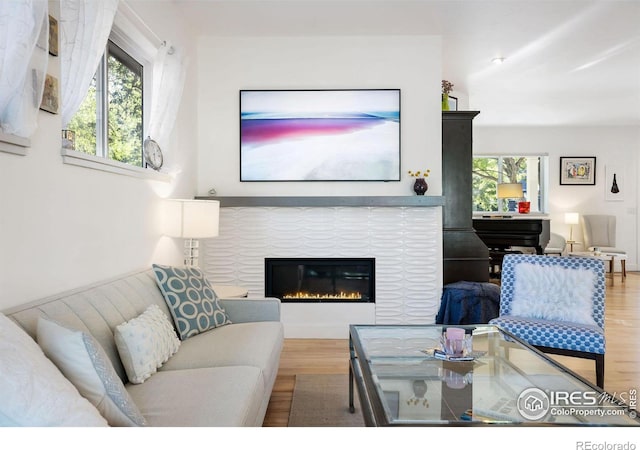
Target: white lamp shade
{"type": "Point", "coordinates": [571, 218]}
{"type": "Point", "coordinates": [510, 190]}
{"type": "Point", "coordinates": [192, 219]}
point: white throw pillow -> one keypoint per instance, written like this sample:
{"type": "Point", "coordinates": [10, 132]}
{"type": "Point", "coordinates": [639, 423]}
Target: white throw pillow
{"type": "Point", "coordinates": [553, 293]}
{"type": "Point", "coordinates": [145, 343]}
{"type": "Point", "coordinates": [83, 361]}
{"type": "Point", "coordinates": [33, 392]}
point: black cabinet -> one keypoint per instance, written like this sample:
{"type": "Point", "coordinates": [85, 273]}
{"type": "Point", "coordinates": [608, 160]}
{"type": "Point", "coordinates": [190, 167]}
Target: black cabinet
{"type": "Point", "coordinates": [465, 256]}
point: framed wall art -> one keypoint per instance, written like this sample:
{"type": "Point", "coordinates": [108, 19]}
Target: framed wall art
{"type": "Point", "coordinates": [578, 170]}
{"type": "Point", "coordinates": [320, 135]}
{"type": "Point", "coordinates": [614, 187]}
{"type": "Point", "coordinates": [453, 103]}
{"type": "Point", "coordinates": [53, 36]}
{"type": "Point", "coordinates": [50, 95]}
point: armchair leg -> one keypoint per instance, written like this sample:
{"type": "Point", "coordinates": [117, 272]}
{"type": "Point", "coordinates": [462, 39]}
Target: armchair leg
{"type": "Point", "coordinates": [600, 371]}
{"type": "Point", "coordinates": [597, 357]}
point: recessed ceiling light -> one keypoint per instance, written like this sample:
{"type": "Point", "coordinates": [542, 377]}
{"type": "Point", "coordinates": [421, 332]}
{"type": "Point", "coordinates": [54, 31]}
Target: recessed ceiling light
{"type": "Point", "coordinates": [499, 60]}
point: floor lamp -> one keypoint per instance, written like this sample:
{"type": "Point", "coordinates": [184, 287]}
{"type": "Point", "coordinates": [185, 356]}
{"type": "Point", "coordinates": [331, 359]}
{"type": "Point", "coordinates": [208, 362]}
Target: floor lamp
{"type": "Point", "coordinates": [571, 218]}
{"type": "Point", "coordinates": [193, 220]}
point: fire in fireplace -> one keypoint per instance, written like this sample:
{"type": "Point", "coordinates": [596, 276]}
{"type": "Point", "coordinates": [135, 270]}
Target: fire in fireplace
{"type": "Point", "coordinates": [320, 280]}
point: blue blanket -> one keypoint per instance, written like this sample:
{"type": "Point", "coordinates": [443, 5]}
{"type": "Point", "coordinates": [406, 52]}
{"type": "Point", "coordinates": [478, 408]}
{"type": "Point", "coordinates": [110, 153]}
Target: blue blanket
{"type": "Point", "coordinates": [468, 302]}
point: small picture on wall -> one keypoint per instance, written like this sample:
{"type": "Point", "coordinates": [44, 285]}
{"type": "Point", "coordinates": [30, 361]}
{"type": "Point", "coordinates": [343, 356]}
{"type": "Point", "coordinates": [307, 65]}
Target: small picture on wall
{"type": "Point", "coordinates": [53, 36]}
{"type": "Point", "coordinates": [614, 188]}
{"type": "Point", "coordinates": [453, 103]}
{"type": "Point", "coordinates": [50, 96]}
{"type": "Point", "coordinates": [578, 170]}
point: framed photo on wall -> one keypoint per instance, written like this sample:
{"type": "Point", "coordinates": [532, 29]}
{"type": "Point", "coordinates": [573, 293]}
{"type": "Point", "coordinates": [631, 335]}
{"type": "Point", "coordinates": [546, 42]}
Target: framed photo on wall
{"type": "Point", "coordinates": [50, 95]}
{"type": "Point", "coordinates": [453, 103]}
{"type": "Point", "coordinates": [578, 170]}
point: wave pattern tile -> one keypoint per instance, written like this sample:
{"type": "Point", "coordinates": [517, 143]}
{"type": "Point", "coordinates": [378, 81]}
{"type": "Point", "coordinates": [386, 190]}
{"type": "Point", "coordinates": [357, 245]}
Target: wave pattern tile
{"type": "Point", "coordinates": [405, 241]}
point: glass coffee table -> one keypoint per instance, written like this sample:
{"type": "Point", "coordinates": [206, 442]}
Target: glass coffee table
{"type": "Point", "coordinates": [400, 381]}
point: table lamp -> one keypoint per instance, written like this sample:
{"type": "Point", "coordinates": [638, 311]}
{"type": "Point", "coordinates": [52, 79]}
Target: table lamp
{"type": "Point", "coordinates": [571, 218]}
{"type": "Point", "coordinates": [192, 220]}
{"type": "Point", "coordinates": [510, 190]}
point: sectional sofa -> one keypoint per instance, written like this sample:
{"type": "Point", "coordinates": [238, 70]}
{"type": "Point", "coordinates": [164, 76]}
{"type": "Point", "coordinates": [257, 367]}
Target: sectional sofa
{"type": "Point", "coordinates": [64, 360]}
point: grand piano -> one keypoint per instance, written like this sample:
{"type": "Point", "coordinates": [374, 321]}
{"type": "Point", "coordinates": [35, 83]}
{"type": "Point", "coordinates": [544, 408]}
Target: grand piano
{"type": "Point", "coordinates": [501, 233]}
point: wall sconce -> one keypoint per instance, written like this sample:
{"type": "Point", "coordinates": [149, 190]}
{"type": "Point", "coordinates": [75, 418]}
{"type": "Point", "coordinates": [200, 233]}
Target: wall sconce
{"type": "Point", "coordinates": [192, 220]}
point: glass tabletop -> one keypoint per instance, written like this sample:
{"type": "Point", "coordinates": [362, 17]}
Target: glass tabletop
{"type": "Point", "coordinates": [503, 381]}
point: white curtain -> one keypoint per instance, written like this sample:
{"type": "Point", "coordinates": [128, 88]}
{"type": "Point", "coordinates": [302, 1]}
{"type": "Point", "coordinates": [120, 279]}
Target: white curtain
{"type": "Point", "coordinates": [23, 63]}
{"type": "Point", "coordinates": [169, 71]}
{"type": "Point", "coordinates": [84, 29]}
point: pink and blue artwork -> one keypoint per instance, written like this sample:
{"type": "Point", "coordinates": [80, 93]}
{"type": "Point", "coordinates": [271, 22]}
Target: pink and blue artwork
{"type": "Point", "coordinates": [320, 135]}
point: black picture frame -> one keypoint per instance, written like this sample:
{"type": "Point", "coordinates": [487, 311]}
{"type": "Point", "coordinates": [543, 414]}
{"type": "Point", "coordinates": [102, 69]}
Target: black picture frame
{"type": "Point", "coordinates": [453, 103]}
{"type": "Point", "coordinates": [578, 170]}
{"type": "Point", "coordinates": [300, 135]}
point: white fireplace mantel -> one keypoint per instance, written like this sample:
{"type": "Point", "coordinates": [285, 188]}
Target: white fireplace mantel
{"type": "Point", "coordinates": [380, 201]}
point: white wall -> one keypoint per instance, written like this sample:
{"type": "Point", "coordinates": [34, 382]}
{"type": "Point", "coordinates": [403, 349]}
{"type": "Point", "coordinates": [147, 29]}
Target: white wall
{"type": "Point", "coordinates": [610, 145]}
{"type": "Point", "coordinates": [63, 226]}
{"type": "Point", "coordinates": [227, 65]}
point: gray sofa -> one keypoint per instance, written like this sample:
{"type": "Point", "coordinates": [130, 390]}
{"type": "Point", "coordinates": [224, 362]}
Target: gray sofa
{"type": "Point", "coordinates": [222, 377]}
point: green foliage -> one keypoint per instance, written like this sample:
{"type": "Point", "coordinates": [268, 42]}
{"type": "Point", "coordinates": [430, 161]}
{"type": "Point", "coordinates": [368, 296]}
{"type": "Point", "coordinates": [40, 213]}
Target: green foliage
{"type": "Point", "coordinates": [125, 134]}
{"type": "Point", "coordinates": [487, 172]}
{"type": "Point", "coordinates": [125, 114]}
{"type": "Point", "coordinates": [84, 122]}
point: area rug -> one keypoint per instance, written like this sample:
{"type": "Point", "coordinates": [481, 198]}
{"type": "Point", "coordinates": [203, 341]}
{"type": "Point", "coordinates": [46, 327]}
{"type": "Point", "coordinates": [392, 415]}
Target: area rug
{"type": "Point", "coordinates": [323, 401]}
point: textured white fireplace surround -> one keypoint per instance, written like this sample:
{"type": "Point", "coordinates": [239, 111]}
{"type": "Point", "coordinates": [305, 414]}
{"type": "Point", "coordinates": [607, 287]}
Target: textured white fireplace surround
{"type": "Point", "coordinates": [406, 243]}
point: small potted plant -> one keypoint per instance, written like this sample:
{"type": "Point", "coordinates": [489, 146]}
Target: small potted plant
{"type": "Point", "coordinates": [447, 87]}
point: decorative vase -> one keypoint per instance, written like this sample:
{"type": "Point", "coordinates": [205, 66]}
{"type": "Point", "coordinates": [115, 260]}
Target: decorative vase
{"type": "Point", "coordinates": [445, 101]}
{"type": "Point", "coordinates": [524, 207]}
{"type": "Point", "coordinates": [420, 186]}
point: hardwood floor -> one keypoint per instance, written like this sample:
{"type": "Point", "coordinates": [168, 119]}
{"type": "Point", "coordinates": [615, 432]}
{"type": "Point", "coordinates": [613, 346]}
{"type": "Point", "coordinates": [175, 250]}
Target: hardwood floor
{"type": "Point", "coordinates": [622, 364]}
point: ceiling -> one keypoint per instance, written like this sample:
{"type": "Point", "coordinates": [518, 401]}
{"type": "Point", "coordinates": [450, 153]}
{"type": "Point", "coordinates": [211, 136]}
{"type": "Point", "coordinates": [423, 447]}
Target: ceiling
{"type": "Point", "coordinates": [566, 62]}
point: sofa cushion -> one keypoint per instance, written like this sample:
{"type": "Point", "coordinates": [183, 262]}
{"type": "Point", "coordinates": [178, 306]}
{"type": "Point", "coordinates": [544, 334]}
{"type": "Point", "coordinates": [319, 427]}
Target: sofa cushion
{"type": "Point", "coordinates": [33, 391]}
{"type": "Point", "coordinates": [191, 300]}
{"type": "Point", "coordinates": [81, 359]}
{"type": "Point", "coordinates": [256, 344]}
{"type": "Point", "coordinates": [145, 343]}
{"type": "Point", "coordinates": [218, 396]}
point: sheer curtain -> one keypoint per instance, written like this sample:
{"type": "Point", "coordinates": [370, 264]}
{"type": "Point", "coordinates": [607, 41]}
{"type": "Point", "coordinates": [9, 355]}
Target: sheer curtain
{"type": "Point", "coordinates": [169, 71]}
{"type": "Point", "coordinates": [23, 63]}
{"type": "Point", "coordinates": [84, 28]}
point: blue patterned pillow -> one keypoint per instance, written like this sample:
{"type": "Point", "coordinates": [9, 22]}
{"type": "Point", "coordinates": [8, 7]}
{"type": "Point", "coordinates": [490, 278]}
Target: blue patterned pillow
{"type": "Point", "coordinates": [191, 300]}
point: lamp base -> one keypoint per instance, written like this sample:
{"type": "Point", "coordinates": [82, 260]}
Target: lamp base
{"type": "Point", "coordinates": [191, 252]}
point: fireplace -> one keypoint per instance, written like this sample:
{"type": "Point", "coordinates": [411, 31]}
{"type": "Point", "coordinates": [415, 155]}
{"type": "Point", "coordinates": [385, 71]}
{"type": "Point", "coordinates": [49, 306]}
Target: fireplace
{"type": "Point", "coordinates": [320, 280]}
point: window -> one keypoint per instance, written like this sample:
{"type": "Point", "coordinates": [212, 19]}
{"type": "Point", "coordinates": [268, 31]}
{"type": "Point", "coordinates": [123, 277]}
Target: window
{"type": "Point", "coordinates": [109, 122]}
{"type": "Point", "coordinates": [528, 170]}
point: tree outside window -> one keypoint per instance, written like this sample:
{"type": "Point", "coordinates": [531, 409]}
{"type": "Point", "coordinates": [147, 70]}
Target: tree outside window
{"type": "Point", "coordinates": [489, 171]}
{"type": "Point", "coordinates": [116, 94]}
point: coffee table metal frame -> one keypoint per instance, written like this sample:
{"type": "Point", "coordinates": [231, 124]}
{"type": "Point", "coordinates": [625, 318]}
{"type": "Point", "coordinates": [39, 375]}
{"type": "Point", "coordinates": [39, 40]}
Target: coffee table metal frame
{"type": "Point", "coordinates": [373, 410]}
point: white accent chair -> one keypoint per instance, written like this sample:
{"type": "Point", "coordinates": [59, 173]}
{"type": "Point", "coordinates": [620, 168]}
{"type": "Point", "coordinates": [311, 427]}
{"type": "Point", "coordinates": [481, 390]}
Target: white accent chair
{"type": "Point", "coordinates": [599, 230]}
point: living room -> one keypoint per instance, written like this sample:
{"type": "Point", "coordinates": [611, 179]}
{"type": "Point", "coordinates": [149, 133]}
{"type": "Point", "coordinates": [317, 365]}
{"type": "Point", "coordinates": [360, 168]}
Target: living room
{"type": "Point", "coordinates": [66, 226]}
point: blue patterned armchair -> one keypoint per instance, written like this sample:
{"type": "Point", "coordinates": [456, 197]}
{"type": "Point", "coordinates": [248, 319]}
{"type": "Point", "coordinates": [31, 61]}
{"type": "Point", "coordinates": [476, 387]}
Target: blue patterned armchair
{"type": "Point", "coordinates": [555, 304]}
